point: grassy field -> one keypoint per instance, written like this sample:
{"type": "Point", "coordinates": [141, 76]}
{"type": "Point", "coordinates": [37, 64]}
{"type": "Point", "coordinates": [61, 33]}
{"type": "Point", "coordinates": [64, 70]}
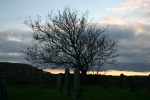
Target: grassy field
{"type": "Point", "coordinates": [33, 92]}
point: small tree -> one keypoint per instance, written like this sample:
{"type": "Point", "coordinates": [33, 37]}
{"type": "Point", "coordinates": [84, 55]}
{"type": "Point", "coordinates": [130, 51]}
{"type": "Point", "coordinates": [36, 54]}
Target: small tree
{"type": "Point", "coordinates": [69, 40]}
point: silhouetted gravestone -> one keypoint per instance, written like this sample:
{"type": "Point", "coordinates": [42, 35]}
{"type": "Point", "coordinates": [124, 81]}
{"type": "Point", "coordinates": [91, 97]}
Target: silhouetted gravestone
{"type": "Point", "coordinates": [1, 86]}
{"type": "Point", "coordinates": [3, 89]}
{"type": "Point", "coordinates": [76, 85]}
{"type": "Point", "coordinates": [67, 82]}
{"type": "Point", "coordinates": [132, 84]}
{"type": "Point", "coordinates": [59, 82]}
{"type": "Point", "coordinates": [121, 80]}
{"type": "Point", "coordinates": [149, 82]}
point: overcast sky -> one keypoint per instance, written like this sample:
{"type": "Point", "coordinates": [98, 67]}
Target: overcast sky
{"type": "Point", "coordinates": [129, 22]}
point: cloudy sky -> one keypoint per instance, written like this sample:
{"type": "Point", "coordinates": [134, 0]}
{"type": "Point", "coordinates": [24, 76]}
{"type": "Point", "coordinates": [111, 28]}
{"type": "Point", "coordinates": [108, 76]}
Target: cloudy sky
{"type": "Point", "coordinates": [129, 22]}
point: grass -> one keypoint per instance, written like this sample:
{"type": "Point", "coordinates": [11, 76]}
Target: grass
{"type": "Point", "coordinates": [32, 92]}
{"type": "Point", "coordinates": [114, 93]}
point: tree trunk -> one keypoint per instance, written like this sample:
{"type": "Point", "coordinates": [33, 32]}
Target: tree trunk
{"type": "Point", "coordinates": [83, 72]}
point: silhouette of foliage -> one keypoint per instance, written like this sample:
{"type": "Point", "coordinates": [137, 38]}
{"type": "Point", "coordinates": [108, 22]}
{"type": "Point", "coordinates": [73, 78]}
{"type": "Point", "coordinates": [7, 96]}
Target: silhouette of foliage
{"type": "Point", "coordinates": [69, 40]}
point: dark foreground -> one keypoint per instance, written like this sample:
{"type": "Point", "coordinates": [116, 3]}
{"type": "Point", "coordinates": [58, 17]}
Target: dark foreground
{"type": "Point", "coordinates": [89, 92]}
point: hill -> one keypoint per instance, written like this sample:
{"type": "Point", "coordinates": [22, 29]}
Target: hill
{"type": "Point", "coordinates": [18, 72]}
{"type": "Point", "coordinates": [15, 67]}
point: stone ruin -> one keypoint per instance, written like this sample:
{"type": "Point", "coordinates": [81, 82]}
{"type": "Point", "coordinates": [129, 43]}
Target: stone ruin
{"type": "Point", "coordinates": [75, 92]}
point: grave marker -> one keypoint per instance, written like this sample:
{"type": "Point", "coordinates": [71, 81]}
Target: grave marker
{"type": "Point", "coordinates": [67, 82]}
{"type": "Point", "coordinates": [121, 81]}
{"type": "Point", "coordinates": [59, 82]}
{"type": "Point", "coordinates": [76, 85]}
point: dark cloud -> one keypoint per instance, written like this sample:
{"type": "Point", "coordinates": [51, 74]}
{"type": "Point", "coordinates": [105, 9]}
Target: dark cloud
{"type": "Point", "coordinates": [131, 28]}
{"type": "Point", "coordinates": [12, 42]}
{"type": "Point", "coordinates": [130, 66]}
{"type": "Point", "coordinates": [133, 46]}
{"type": "Point", "coordinates": [120, 32]}
{"type": "Point", "coordinates": [11, 57]}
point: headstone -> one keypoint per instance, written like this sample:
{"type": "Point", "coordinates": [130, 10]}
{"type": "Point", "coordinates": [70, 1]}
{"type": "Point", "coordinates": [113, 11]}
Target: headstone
{"type": "Point", "coordinates": [121, 81]}
{"type": "Point", "coordinates": [3, 89]}
{"type": "Point", "coordinates": [67, 82]}
{"type": "Point", "coordinates": [76, 85]}
{"type": "Point", "coordinates": [59, 82]}
{"type": "Point", "coordinates": [1, 86]}
{"type": "Point", "coordinates": [149, 82]}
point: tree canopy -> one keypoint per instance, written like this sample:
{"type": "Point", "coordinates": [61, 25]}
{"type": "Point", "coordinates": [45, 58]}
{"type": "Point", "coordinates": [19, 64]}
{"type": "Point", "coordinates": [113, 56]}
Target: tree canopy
{"type": "Point", "coordinates": [69, 39]}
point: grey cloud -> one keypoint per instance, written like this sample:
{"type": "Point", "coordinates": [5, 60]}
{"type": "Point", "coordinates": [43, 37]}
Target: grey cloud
{"type": "Point", "coordinates": [12, 46]}
{"type": "Point", "coordinates": [12, 42]}
{"type": "Point", "coordinates": [134, 49]}
{"type": "Point", "coordinates": [13, 57]}
{"type": "Point", "coordinates": [16, 34]}
{"type": "Point", "coordinates": [120, 32]}
{"type": "Point", "coordinates": [130, 66]}
{"type": "Point", "coordinates": [133, 37]}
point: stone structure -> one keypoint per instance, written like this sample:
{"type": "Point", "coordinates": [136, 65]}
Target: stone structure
{"type": "Point", "coordinates": [59, 82]}
{"type": "Point", "coordinates": [121, 81]}
{"type": "Point", "coordinates": [76, 94]}
{"type": "Point", "coordinates": [3, 89]}
{"type": "Point", "coordinates": [67, 82]}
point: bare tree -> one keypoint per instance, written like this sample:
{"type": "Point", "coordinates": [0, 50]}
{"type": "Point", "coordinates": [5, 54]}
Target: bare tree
{"type": "Point", "coordinates": [70, 40]}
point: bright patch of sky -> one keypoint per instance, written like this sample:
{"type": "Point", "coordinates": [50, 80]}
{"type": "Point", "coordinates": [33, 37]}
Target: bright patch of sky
{"type": "Point", "coordinates": [15, 12]}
